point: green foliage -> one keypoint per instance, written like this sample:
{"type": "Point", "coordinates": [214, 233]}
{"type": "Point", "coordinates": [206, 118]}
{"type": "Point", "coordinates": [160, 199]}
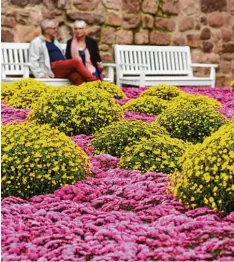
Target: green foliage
{"type": "Point", "coordinates": [114, 138]}
{"type": "Point", "coordinates": [190, 121]}
{"type": "Point", "coordinates": [146, 104]}
{"type": "Point", "coordinates": [163, 91]}
{"type": "Point", "coordinates": [207, 177]}
{"type": "Point", "coordinates": [37, 160]}
{"type": "Point", "coordinates": [160, 153]}
{"type": "Point", "coordinates": [79, 111]}
{"type": "Point", "coordinates": [114, 90]}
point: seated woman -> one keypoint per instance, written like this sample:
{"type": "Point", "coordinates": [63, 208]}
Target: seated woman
{"type": "Point", "coordinates": [85, 49]}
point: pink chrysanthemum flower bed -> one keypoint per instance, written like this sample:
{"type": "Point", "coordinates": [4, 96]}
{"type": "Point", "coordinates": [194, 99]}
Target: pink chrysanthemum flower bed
{"type": "Point", "coordinates": [118, 215]}
{"type": "Point", "coordinates": [10, 114]}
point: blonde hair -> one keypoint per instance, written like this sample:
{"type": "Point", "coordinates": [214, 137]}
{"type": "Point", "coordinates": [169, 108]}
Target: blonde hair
{"type": "Point", "coordinates": [80, 24]}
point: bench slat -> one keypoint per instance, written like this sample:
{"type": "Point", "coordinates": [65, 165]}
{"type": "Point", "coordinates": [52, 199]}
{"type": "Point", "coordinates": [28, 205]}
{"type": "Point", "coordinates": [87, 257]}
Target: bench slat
{"type": "Point", "coordinates": [176, 61]}
{"type": "Point", "coordinates": [160, 61]}
{"type": "Point", "coordinates": [167, 57]}
{"type": "Point", "coordinates": [5, 58]}
{"type": "Point", "coordinates": [21, 56]}
{"type": "Point", "coordinates": [152, 61]}
{"type": "Point", "coordinates": [11, 59]}
{"type": "Point", "coordinates": [16, 59]}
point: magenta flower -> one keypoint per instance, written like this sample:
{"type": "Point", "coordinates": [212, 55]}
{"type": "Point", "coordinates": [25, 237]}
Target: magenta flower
{"type": "Point", "coordinates": [10, 114]}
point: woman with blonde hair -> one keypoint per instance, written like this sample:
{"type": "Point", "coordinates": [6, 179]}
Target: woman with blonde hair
{"type": "Point", "coordinates": [85, 49]}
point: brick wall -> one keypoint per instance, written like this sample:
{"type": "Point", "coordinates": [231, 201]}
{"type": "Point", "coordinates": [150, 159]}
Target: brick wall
{"type": "Point", "coordinates": [207, 26]}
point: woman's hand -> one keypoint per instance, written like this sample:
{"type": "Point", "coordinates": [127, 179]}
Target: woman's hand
{"type": "Point", "coordinates": [100, 65]}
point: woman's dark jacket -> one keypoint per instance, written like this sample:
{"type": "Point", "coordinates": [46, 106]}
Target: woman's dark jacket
{"type": "Point", "coordinates": [92, 46]}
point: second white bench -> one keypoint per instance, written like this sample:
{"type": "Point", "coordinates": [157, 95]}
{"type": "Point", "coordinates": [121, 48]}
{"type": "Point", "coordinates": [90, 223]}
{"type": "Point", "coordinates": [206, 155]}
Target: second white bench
{"type": "Point", "coordinates": [142, 66]}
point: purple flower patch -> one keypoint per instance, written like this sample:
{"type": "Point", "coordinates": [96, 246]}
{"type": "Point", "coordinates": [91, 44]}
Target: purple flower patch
{"type": "Point", "coordinates": [10, 114]}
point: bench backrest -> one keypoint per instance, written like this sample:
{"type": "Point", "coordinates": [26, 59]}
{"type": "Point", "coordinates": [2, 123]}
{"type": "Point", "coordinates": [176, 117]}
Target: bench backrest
{"type": "Point", "coordinates": [16, 53]}
{"type": "Point", "coordinates": [159, 60]}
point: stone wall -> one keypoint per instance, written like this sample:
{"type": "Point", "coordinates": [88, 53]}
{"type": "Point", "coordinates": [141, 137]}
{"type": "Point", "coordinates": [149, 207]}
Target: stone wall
{"type": "Point", "coordinates": [207, 26]}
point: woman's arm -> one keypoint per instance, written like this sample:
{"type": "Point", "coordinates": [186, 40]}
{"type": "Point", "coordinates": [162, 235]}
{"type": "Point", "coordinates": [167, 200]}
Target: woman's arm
{"type": "Point", "coordinates": [93, 50]}
{"type": "Point", "coordinates": [68, 49]}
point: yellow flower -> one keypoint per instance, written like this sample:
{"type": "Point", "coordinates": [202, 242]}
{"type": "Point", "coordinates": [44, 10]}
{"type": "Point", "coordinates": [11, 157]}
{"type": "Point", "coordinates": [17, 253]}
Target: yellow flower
{"type": "Point", "coordinates": [56, 168]}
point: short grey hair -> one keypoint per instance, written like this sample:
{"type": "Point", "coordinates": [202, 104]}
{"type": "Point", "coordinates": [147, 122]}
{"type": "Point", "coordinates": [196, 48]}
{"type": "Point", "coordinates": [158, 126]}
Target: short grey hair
{"type": "Point", "coordinates": [45, 23]}
{"type": "Point", "coordinates": [80, 24]}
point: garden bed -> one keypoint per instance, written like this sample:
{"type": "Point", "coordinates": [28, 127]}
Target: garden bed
{"type": "Point", "coordinates": [115, 214]}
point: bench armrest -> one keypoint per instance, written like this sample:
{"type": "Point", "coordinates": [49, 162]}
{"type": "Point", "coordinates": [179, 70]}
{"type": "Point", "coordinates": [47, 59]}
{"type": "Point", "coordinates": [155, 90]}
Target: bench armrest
{"type": "Point", "coordinates": [212, 70]}
{"type": "Point", "coordinates": [140, 67]}
{"type": "Point", "coordinates": [110, 72]}
{"type": "Point", "coordinates": [109, 65]}
{"type": "Point", "coordinates": [203, 65]}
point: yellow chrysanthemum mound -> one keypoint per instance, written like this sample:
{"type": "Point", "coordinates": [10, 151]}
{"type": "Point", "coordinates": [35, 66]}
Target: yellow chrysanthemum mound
{"type": "Point", "coordinates": [160, 153]}
{"type": "Point", "coordinates": [80, 111]}
{"type": "Point", "coordinates": [146, 104]}
{"type": "Point", "coordinates": [207, 177]}
{"type": "Point", "coordinates": [27, 96]}
{"type": "Point", "coordinates": [232, 84]}
{"type": "Point", "coordinates": [114, 138]}
{"type": "Point", "coordinates": [111, 88]}
{"type": "Point", "coordinates": [37, 160]}
{"type": "Point", "coordinates": [189, 121]}
{"type": "Point", "coordinates": [8, 90]}
{"type": "Point", "coordinates": [165, 92]}
{"type": "Point", "coordinates": [196, 100]}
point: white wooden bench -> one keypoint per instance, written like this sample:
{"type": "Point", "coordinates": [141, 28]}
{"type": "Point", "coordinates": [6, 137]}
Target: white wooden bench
{"type": "Point", "coordinates": [151, 65]}
{"type": "Point", "coordinates": [15, 65]}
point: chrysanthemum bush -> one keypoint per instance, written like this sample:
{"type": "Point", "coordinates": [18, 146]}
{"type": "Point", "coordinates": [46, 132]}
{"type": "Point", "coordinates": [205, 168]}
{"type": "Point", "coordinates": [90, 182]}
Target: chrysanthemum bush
{"type": "Point", "coordinates": [146, 104]}
{"type": "Point", "coordinates": [8, 90]}
{"type": "Point", "coordinates": [232, 83]}
{"type": "Point", "coordinates": [207, 177]}
{"type": "Point", "coordinates": [79, 111]}
{"type": "Point", "coordinates": [38, 160]}
{"type": "Point", "coordinates": [196, 100]}
{"type": "Point", "coordinates": [163, 91]}
{"type": "Point", "coordinates": [114, 90]}
{"type": "Point", "coordinates": [27, 96]}
{"type": "Point", "coordinates": [160, 153]}
{"type": "Point", "coordinates": [190, 121]}
{"type": "Point", "coordinates": [114, 138]}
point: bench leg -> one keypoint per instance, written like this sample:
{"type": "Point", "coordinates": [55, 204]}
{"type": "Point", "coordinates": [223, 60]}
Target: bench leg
{"type": "Point", "coordinates": [212, 75]}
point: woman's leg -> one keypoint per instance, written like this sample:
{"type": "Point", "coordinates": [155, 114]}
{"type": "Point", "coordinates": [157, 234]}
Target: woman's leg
{"type": "Point", "coordinates": [63, 68]}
